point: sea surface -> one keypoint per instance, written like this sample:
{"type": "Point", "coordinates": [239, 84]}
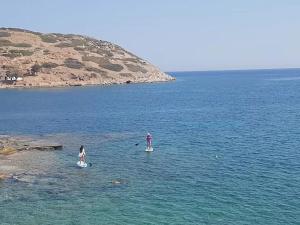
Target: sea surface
{"type": "Point", "coordinates": [226, 151]}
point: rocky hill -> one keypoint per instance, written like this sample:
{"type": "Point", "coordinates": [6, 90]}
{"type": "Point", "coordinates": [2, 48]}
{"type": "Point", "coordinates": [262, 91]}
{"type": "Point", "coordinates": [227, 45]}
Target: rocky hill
{"type": "Point", "coordinates": [32, 59]}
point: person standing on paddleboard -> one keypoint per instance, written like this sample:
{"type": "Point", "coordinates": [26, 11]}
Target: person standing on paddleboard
{"type": "Point", "coordinates": [149, 141]}
{"type": "Point", "coordinates": [81, 154]}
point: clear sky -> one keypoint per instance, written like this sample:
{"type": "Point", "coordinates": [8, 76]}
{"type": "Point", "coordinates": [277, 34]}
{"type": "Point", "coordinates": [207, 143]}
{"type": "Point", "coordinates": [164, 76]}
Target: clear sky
{"type": "Point", "coordinates": [175, 34]}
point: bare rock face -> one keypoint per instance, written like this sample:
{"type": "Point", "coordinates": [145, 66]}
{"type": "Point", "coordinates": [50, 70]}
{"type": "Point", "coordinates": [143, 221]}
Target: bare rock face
{"type": "Point", "coordinates": [32, 59]}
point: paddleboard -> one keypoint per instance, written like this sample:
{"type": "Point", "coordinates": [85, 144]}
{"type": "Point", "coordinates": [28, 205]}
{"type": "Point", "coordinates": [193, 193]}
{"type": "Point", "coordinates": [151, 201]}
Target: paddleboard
{"type": "Point", "coordinates": [81, 164]}
{"type": "Point", "coordinates": [149, 150]}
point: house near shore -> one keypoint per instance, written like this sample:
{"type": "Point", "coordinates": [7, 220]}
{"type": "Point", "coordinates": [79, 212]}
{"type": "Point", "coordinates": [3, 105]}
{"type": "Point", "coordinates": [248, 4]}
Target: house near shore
{"type": "Point", "coordinates": [13, 78]}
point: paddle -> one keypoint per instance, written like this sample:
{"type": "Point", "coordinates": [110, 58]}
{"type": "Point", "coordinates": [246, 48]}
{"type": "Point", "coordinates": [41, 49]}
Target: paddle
{"type": "Point", "coordinates": [90, 164]}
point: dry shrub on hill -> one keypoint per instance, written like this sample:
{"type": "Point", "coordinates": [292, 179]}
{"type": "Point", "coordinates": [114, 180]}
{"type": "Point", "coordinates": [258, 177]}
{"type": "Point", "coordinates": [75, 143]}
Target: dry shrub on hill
{"type": "Point", "coordinates": [49, 65]}
{"type": "Point", "coordinates": [5, 43]}
{"type": "Point", "coordinates": [96, 70]}
{"type": "Point", "coordinates": [99, 60]}
{"type": "Point", "coordinates": [136, 68]}
{"type": "Point", "coordinates": [4, 34]}
{"type": "Point", "coordinates": [126, 75]}
{"type": "Point", "coordinates": [64, 45]}
{"type": "Point", "coordinates": [113, 67]}
{"type": "Point", "coordinates": [13, 53]}
{"type": "Point", "coordinates": [49, 38]}
{"type": "Point", "coordinates": [73, 63]}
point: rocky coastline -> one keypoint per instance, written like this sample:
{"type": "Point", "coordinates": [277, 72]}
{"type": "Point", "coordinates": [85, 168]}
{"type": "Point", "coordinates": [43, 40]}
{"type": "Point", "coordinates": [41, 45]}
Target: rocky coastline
{"type": "Point", "coordinates": [32, 59]}
{"type": "Point", "coordinates": [18, 153]}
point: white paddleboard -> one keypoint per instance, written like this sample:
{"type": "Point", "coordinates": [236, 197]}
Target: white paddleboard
{"type": "Point", "coordinates": [81, 164]}
{"type": "Point", "coordinates": [149, 150]}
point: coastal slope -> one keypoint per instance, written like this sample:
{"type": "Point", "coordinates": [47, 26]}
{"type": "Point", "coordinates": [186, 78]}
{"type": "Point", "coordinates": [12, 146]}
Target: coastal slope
{"type": "Point", "coordinates": [33, 59]}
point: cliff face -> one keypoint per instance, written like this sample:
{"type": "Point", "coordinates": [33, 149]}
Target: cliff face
{"type": "Point", "coordinates": [50, 60]}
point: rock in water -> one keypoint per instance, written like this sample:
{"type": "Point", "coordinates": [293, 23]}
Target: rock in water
{"type": "Point", "coordinates": [3, 176]}
{"type": "Point", "coordinates": [32, 59]}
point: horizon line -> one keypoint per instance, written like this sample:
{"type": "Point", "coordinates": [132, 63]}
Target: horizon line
{"type": "Point", "coordinates": [220, 70]}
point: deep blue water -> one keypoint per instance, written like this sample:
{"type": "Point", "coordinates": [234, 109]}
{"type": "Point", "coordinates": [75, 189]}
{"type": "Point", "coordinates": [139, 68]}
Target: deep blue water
{"type": "Point", "coordinates": [226, 151]}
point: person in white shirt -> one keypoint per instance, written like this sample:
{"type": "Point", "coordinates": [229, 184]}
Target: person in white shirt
{"type": "Point", "coordinates": [81, 154]}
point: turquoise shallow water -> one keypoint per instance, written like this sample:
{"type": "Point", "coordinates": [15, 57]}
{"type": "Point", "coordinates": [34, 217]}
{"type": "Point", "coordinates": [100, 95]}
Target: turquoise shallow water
{"type": "Point", "coordinates": [226, 151]}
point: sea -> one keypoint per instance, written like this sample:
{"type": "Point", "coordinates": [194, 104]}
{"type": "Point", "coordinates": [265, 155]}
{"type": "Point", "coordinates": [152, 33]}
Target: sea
{"type": "Point", "coordinates": [226, 151]}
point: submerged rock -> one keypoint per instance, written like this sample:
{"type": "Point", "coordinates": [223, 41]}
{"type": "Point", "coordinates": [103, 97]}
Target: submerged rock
{"type": "Point", "coordinates": [10, 144]}
{"type": "Point", "coordinates": [17, 154]}
{"type": "Point", "coordinates": [7, 150]}
{"type": "Point", "coordinates": [118, 182]}
{"type": "Point", "coordinates": [24, 177]}
{"type": "Point", "coordinates": [3, 176]}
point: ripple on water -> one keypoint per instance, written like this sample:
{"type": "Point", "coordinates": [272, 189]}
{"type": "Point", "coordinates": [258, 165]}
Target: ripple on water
{"type": "Point", "coordinates": [226, 151]}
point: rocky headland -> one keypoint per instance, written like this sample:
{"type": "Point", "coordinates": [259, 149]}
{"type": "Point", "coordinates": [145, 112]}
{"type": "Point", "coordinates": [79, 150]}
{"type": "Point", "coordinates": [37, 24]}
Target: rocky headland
{"type": "Point", "coordinates": [33, 59]}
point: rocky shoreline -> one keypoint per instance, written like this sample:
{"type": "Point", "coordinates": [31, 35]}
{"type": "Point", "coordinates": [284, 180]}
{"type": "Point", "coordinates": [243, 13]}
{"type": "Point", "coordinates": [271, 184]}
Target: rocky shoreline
{"type": "Point", "coordinates": [82, 84]}
{"type": "Point", "coordinates": [17, 154]}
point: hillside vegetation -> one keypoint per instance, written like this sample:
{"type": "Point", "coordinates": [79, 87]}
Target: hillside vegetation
{"type": "Point", "coordinates": [50, 60]}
